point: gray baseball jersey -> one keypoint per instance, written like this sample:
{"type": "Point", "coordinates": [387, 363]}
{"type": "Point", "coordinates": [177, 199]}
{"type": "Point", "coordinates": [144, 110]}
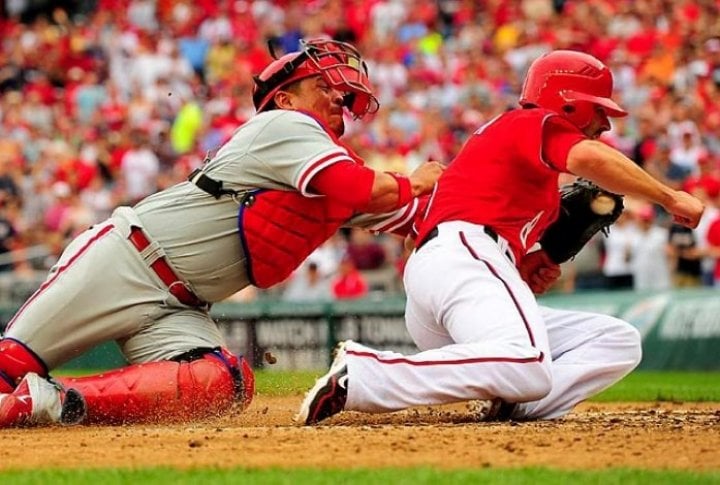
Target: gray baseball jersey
{"type": "Point", "coordinates": [103, 288]}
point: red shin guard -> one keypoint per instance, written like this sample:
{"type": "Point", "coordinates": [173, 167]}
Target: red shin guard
{"type": "Point", "coordinates": [163, 391]}
{"type": "Point", "coordinates": [16, 360]}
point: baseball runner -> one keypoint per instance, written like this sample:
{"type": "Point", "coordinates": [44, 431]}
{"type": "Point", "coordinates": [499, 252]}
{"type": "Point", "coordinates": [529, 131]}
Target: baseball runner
{"type": "Point", "coordinates": [147, 276]}
{"type": "Point", "coordinates": [471, 280]}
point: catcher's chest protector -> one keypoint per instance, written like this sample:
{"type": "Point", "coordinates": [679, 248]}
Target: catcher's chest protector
{"type": "Point", "coordinates": [279, 230]}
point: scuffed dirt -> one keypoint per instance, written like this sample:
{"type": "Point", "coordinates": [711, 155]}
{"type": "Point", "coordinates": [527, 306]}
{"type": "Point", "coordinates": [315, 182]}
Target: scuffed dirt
{"type": "Point", "coordinates": [645, 435]}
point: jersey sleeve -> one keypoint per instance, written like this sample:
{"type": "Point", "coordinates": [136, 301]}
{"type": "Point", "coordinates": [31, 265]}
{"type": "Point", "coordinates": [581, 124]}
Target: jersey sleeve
{"type": "Point", "coordinates": [397, 222]}
{"type": "Point", "coordinates": [558, 137]}
{"type": "Point", "coordinates": [294, 148]}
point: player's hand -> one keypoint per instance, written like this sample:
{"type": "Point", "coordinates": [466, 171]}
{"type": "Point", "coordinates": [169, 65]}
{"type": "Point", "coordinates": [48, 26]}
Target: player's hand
{"type": "Point", "coordinates": [685, 209]}
{"type": "Point", "coordinates": [539, 271]}
{"type": "Point", "coordinates": [424, 177]}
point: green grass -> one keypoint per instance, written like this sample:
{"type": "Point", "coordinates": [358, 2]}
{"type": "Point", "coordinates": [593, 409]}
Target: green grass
{"type": "Point", "coordinates": [640, 386]}
{"type": "Point", "coordinates": [529, 476]}
{"type": "Point", "coordinates": [637, 387]}
{"type": "Point", "coordinates": [284, 383]}
{"type": "Point", "coordinates": [665, 386]}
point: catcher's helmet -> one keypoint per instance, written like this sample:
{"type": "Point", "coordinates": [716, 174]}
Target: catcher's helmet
{"type": "Point", "coordinates": [571, 84]}
{"type": "Point", "coordinates": [338, 62]}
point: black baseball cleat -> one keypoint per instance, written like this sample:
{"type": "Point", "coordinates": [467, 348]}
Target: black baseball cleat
{"type": "Point", "coordinates": [329, 394]}
{"type": "Point", "coordinates": [74, 408]}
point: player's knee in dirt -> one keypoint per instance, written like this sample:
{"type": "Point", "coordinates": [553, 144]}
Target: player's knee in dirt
{"type": "Point", "coordinates": [538, 382]}
{"type": "Point", "coordinates": [534, 376]}
{"type": "Point", "coordinates": [526, 381]}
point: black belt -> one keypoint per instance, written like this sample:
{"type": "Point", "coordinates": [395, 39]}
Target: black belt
{"type": "Point", "coordinates": [434, 233]}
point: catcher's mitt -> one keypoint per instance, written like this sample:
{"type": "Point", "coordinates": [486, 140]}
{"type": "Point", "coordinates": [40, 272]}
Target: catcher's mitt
{"type": "Point", "coordinates": [585, 209]}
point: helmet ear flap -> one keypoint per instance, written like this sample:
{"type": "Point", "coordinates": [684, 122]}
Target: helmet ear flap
{"type": "Point", "coordinates": [579, 113]}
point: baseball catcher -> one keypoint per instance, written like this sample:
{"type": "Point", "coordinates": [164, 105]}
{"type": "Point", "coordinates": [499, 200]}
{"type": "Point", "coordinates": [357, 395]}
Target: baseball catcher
{"type": "Point", "coordinates": [146, 277]}
{"type": "Point", "coordinates": [585, 209]}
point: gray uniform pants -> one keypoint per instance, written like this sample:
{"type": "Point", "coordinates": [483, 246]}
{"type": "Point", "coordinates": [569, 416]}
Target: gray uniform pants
{"type": "Point", "coordinates": [103, 289]}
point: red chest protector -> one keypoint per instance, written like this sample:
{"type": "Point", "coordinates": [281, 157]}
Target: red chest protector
{"type": "Point", "coordinates": [279, 229]}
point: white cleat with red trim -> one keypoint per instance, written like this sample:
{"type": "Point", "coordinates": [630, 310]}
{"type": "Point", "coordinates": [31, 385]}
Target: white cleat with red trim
{"type": "Point", "coordinates": [34, 401]}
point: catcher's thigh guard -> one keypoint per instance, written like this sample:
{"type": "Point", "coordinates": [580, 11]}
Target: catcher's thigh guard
{"type": "Point", "coordinates": [205, 385]}
{"type": "Point", "coordinates": [16, 360]}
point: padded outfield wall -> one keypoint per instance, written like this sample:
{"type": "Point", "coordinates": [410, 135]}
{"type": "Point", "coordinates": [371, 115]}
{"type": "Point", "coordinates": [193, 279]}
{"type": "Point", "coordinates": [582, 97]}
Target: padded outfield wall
{"type": "Point", "coordinates": [681, 329]}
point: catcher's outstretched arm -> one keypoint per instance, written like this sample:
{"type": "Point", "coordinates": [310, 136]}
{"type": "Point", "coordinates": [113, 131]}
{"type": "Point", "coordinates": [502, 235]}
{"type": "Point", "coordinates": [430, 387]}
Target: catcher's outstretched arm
{"type": "Point", "coordinates": [613, 171]}
{"type": "Point", "coordinates": [371, 191]}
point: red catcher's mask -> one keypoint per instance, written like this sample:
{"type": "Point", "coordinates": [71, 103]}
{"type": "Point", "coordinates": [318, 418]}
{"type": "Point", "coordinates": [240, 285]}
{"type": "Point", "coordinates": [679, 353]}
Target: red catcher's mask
{"type": "Point", "coordinates": [340, 64]}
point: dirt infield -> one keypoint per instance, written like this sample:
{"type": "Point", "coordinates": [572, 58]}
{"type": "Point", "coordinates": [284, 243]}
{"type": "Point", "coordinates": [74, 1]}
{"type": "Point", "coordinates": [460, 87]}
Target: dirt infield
{"type": "Point", "coordinates": [646, 435]}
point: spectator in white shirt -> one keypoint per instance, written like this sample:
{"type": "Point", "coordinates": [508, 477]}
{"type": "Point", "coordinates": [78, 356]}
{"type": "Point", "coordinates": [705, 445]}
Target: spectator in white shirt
{"type": "Point", "coordinates": [650, 256]}
{"type": "Point", "coordinates": [618, 252]}
{"type": "Point", "coordinates": [139, 168]}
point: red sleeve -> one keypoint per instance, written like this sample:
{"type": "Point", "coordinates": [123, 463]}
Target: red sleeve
{"type": "Point", "coordinates": [559, 136]}
{"type": "Point", "coordinates": [345, 182]}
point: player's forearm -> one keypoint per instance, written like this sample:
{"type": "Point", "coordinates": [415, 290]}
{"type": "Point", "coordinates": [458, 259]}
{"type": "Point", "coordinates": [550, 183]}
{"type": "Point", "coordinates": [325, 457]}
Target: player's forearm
{"type": "Point", "coordinates": [370, 191]}
{"type": "Point", "coordinates": [392, 191]}
{"type": "Point", "coordinates": [615, 172]}
{"type": "Point", "coordinates": [388, 192]}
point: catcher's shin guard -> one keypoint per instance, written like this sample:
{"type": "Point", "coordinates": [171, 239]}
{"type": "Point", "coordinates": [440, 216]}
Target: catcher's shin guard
{"type": "Point", "coordinates": [200, 387]}
{"type": "Point", "coordinates": [16, 360]}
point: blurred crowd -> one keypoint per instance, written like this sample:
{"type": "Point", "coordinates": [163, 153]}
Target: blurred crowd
{"type": "Point", "coordinates": [103, 102]}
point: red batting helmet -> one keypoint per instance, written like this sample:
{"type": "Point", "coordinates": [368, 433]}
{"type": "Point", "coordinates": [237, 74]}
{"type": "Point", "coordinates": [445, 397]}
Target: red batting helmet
{"type": "Point", "coordinates": [338, 62]}
{"type": "Point", "coordinates": [571, 84]}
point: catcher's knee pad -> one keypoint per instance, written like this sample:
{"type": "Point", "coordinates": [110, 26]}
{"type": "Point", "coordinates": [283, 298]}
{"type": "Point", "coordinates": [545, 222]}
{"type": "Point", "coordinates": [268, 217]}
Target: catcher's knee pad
{"type": "Point", "coordinates": [197, 386]}
{"type": "Point", "coordinates": [16, 360]}
{"type": "Point", "coordinates": [243, 375]}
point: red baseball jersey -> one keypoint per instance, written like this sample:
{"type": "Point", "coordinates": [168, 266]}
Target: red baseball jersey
{"type": "Point", "coordinates": [506, 177]}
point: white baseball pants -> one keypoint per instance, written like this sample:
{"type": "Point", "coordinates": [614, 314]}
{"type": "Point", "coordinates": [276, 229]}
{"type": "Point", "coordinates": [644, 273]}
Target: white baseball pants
{"type": "Point", "coordinates": [482, 335]}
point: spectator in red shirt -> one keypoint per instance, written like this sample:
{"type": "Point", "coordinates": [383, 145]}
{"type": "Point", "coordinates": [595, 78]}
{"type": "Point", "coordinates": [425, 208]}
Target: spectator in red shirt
{"type": "Point", "coordinates": [349, 282]}
{"type": "Point", "coordinates": [708, 177]}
